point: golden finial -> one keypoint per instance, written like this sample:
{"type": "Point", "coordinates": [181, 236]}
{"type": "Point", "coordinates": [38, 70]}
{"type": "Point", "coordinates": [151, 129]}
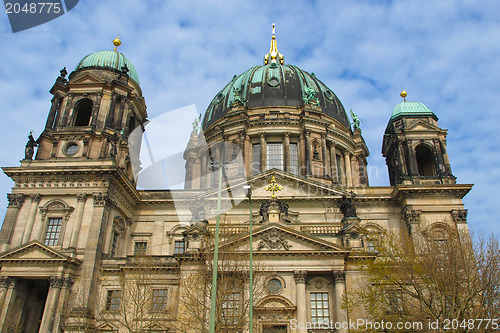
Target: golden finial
{"type": "Point", "coordinates": [273, 187]}
{"type": "Point", "coordinates": [117, 42]}
{"type": "Point", "coordinates": [274, 56]}
{"type": "Point", "coordinates": [403, 94]}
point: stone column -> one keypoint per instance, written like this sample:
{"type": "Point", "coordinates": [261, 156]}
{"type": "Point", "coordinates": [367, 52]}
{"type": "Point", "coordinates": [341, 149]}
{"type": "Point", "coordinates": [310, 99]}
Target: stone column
{"type": "Point", "coordinates": [56, 100]}
{"type": "Point", "coordinates": [121, 110]}
{"type": "Point", "coordinates": [95, 110]}
{"type": "Point", "coordinates": [355, 170]}
{"type": "Point", "coordinates": [286, 150]}
{"type": "Point", "coordinates": [35, 201]}
{"type": "Point", "coordinates": [67, 110]}
{"type": "Point", "coordinates": [248, 155]}
{"type": "Point", "coordinates": [111, 113]}
{"type": "Point", "coordinates": [15, 203]}
{"type": "Point", "coordinates": [49, 312]}
{"type": "Point", "coordinates": [81, 198]}
{"type": "Point", "coordinates": [7, 294]}
{"type": "Point", "coordinates": [263, 152]}
{"type": "Point", "coordinates": [340, 314]}
{"type": "Point", "coordinates": [300, 286]}
{"type": "Point", "coordinates": [333, 164]}
{"type": "Point", "coordinates": [446, 158]}
{"type": "Point", "coordinates": [412, 157]}
{"type": "Point", "coordinates": [308, 150]}
{"type": "Point", "coordinates": [326, 160]}
{"type": "Point", "coordinates": [348, 173]}
{"type": "Point", "coordinates": [61, 303]}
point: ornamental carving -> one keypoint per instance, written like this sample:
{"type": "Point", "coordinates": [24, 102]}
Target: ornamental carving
{"type": "Point", "coordinates": [15, 200]}
{"type": "Point", "coordinates": [35, 198]}
{"type": "Point", "coordinates": [56, 282]}
{"type": "Point", "coordinates": [412, 216]}
{"type": "Point", "coordinates": [459, 215]}
{"type": "Point", "coordinates": [346, 206]}
{"type": "Point", "coordinates": [339, 276]}
{"type": "Point", "coordinates": [300, 276]}
{"type": "Point", "coordinates": [272, 240]}
{"type": "Point", "coordinates": [81, 197]}
{"type": "Point", "coordinates": [102, 200]}
{"type": "Point", "coordinates": [6, 281]}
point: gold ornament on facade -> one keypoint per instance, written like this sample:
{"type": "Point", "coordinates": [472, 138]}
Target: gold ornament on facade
{"type": "Point", "coordinates": [403, 94]}
{"type": "Point", "coordinates": [273, 187]}
{"type": "Point", "coordinates": [273, 56]}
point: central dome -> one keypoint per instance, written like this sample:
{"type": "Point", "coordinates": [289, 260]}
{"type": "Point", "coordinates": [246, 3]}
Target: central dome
{"type": "Point", "coordinates": [277, 85]}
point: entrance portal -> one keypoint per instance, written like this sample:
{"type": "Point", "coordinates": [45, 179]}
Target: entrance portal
{"type": "Point", "coordinates": [26, 310]}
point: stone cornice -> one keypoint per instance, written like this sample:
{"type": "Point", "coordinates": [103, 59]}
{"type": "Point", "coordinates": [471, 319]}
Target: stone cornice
{"type": "Point", "coordinates": [402, 192]}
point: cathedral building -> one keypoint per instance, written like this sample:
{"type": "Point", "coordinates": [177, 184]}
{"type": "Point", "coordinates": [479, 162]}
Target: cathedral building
{"type": "Point", "coordinates": [77, 220]}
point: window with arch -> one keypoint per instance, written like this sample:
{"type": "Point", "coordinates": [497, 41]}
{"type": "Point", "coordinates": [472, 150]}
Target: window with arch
{"type": "Point", "coordinates": [425, 161]}
{"type": "Point", "coordinates": [83, 112]}
{"type": "Point", "coordinates": [55, 215]}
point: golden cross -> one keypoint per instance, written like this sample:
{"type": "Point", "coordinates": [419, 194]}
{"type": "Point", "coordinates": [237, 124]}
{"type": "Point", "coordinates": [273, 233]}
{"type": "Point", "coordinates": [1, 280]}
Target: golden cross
{"type": "Point", "coordinates": [273, 187]}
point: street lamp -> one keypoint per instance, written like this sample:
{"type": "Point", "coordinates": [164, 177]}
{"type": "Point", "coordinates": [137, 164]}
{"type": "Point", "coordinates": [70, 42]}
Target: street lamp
{"type": "Point", "coordinates": [215, 268]}
{"type": "Point", "coordinates": [248, 190]}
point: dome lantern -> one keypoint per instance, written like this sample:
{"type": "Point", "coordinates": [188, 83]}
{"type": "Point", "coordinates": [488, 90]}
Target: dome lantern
{"type": "Point", "coordinates": [274, 57]}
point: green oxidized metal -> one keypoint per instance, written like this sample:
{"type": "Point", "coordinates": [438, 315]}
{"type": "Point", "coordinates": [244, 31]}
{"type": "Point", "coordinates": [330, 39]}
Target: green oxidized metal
{"type": "Point", "coordinates": [109, 60]}
{"type": "Point", "coordinates": [411, 109]}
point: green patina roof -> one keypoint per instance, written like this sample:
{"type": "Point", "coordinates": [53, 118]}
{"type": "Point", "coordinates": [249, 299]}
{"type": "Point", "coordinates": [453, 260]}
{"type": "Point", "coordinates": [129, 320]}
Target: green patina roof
{"type": "Point", "coordinates": [110, 60]}
{"type": "Point", "coordinates": [411, 109]}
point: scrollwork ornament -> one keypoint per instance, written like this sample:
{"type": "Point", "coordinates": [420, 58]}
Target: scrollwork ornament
{"type": "Point", "coordinates": [339, 276]}
{"type": "Point", "coordinates": [15, 200]}
{"type": "Point", "coordinates": [300, 276]}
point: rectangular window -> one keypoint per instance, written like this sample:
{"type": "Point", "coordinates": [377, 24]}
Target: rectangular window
{"type": "Point", "coordinates": [140, 248]}
{"type": "Point", "coordinates": [53, 231]}
{"type": "Point", "coordinates": [113, 300]}
{"type": "Point", "coordinates": [114, 242]}
{"type": "Point", "coordinates": [231, 308]}
{"type": "Point", "coordinates": [179, 247]}
{"type": "Point", "coordinates": [294, 158]}
{"type": "Point", "coordinates": [320, 312]}
{"type": "Point", "coordinates": [339, 169]}
{"type": "Point", "coordinates": [274, 156]}
{"type": "Point", "coordinates": [255, 159]}
{"type": "Point", "coordinates": [159, 301]}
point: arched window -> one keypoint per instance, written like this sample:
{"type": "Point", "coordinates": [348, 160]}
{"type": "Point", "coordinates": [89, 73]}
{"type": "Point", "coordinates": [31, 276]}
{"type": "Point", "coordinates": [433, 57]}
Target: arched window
{"type": "Point", "coordinates": [83, 112]}
{"type": "Point", "coordinates": [425, 161]}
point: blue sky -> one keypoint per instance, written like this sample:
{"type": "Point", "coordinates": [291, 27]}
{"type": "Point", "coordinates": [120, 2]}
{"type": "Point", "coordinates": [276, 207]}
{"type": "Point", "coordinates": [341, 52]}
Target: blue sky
{"type": "Point", "coordinates": [445, 54]}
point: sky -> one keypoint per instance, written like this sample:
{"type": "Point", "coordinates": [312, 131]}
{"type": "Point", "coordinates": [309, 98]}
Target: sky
{"type": "Point", "coordinates": [444, 53]}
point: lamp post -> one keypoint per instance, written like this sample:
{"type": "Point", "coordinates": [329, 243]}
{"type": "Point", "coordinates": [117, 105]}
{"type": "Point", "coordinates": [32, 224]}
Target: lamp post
{"type": "Point", "coordinates": [215, 268]}
{"type": "Point", "coordinates": [250, 283]}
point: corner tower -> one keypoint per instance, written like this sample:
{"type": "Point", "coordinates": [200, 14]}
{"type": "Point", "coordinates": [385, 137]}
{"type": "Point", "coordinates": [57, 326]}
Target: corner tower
{"type": "Point", "coordinates": [414, 146]}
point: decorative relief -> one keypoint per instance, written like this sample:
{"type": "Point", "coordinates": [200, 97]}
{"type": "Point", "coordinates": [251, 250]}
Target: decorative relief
{"type": "Point", "coordinates": [459, 215]}
{"type": "Point", "coordinates": [102, 200]}
{"type": "Point", "coordinates": [81, 197]}
{"type": "Point", "coordinates": [412, 216]}
{"type": "Point", "coordinates": [6, 281]}
{"type": "Point", "coordinates": [15, 200]}
{"type": "Point", "coordinates": [56, 282]}
{"type": "Point", "coordinates": [272, 240]}
{"type": "Point", "coordinates": [300, 276]}
{"type": "Point", "coordinates": [339, 276]}
{"type": "Point", "coordinates": [35, 198]}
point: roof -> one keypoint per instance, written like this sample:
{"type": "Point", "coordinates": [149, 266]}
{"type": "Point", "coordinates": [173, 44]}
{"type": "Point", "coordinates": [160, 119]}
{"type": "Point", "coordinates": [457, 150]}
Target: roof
{"type": "Point", "coordinates": [275, 84]}
{"type": "Point", "coordinates": [109, 60]}
{"type": "Point", "coordinates": [411, 109]}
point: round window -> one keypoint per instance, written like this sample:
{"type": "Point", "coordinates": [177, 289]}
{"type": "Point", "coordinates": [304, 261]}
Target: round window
{"type": "Point", "coordinates": [274, 286]}
{"type": "Point", "coordinates": [273, 82]}
{"type": "Point", "coordinates": [71, 148]}
{"type": "Point", "coordinates": [329, 94]}
{"type": "Point", "coordinates": [220, 97]}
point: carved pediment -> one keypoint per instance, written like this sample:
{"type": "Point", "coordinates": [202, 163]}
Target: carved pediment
{"type": "Point", "coordinates": [87, 78]}
{"type": "Point", "coordinates": [275, 238]}
{"type": "Point", "coordinates": [35, 251]}
{"type": "Point", "coordinates": [275, 303]}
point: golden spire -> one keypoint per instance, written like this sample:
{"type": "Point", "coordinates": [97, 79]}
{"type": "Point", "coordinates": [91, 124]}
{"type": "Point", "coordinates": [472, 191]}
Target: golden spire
{"type": "Point", "coordinates": [117, 42]}
{"type": "Point", "coordinates": [273, 187]}
{"type": "Point", "coordinates": [403, 94]}
{"type": "Point", "coordinates": [274, 56]}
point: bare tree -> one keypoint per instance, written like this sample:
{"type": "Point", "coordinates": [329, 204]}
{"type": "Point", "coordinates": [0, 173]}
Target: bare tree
{"type": "Point", "coordinates": [232, 302]}
{"type": "Point", "coordinates": [453, 281]}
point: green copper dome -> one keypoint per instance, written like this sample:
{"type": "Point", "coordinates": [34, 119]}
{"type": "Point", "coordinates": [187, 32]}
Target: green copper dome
{"type": "Point", "coordinates": [411, 109]}
{"type": "Point", "coordinates": [275, 84]}
{"type": "Point", "coordinates": [109, 60]}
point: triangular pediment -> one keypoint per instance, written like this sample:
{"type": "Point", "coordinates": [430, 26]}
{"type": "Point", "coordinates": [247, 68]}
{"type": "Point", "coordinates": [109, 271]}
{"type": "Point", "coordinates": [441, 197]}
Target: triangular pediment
{"type": "Point", "coordinates": [87, 78]}
{"type": "Point", "coordinates": [274, 238]}
{"type": "Point", "coordinates": [421, 125]}
{"type": "Point", "coordinates": [35, 251]}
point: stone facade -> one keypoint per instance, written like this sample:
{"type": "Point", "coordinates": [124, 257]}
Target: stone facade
{"type": "Point", "coordinates": [76, 219]}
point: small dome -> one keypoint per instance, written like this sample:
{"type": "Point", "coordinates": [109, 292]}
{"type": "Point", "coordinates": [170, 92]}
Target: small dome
{"type": "Point", "coordinates": [109, 60]}
{"type": "Point", "coordinates": [274, 84]}
{"type": "Point", "coordinates": [411, 109]}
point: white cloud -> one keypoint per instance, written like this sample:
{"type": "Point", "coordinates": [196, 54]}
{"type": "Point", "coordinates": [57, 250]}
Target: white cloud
{"type": "Point", "coordinates": [444, 53]}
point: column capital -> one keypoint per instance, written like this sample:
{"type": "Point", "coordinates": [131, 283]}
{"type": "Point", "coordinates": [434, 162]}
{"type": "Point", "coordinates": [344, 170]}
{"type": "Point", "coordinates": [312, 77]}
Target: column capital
{"type": "Point", "coordinates": [286, 134]}
{"type": "Point", "coordinates": [7, 281]}
{"type": "Point", "coordinates": [459, 215]}
{"type": "Point", "coordinates": [339, 276]}
{"type": "Point", "coordinates": [307, 132]}
{"type": "Point", "coordinates": [56, 282]}
{"type": "Point", "coordinates": [262, 134]}
{"type": "Point", "coordinates": [35, 198]}
{"type": "Point", "coordinates": [300, 276]}
{"type": "Point", "coordinates": [81, 197]}
{"type": "Point", "coordinates": [15, 200]}
{"type": "Point", "coordinates": [102, 200]}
